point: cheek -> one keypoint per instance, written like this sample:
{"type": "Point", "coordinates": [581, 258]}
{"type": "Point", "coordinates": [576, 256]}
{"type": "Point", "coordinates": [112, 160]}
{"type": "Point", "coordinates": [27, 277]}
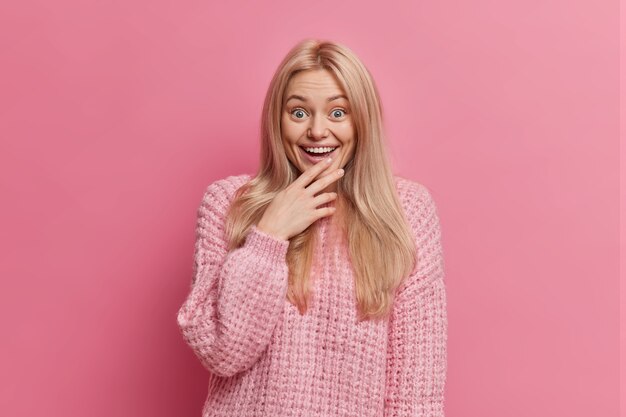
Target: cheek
{"type": "Point", "coordinates": [347, 137]}
{"type": "Point", "coordinates": [346, 130]}
{"type": "Point", "coordinates": [289, 131]}
{"type": "Point", "coordinates": [350, 148]}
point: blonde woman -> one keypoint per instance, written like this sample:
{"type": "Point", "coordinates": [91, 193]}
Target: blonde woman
{"type": "Point", "coordinates": [318, 286]}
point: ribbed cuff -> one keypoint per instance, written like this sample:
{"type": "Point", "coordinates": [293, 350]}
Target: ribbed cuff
{"type": "Point", "coordinates": [267, 246]}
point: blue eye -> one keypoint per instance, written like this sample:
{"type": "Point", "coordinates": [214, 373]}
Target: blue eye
{"type": "Point", "coordinates": [340, 110]}
{"type": "Point", "coordinates": [297, 110]}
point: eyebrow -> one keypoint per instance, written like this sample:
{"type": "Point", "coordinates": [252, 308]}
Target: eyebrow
{"type": "Point", "coordinates": [295, 96]}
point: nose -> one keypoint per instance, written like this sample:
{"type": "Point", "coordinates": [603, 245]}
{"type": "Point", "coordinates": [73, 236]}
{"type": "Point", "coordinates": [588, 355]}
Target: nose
{"type": "Point", "coordinates": [318, 129]}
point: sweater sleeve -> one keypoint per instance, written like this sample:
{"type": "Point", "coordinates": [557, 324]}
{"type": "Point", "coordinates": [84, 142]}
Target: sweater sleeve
{"type": "Point", "coordinates": [417, 338]}
{"type": "Point", "coordinates": [236, 297]}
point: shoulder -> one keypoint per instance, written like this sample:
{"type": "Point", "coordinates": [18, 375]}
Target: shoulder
{"type": "Point", "coordinates": [219, 193]}
{"type": "Point", "coordinates": [228, 185]}
{"type": "Point", "coordinates": [417, 200]}
{"type": "Point", "coordinates": [422, 214]}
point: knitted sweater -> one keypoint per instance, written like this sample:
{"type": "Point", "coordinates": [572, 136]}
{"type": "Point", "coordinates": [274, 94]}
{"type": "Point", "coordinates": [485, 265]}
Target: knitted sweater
{"type": "Point", "coordinates": [265, 359]}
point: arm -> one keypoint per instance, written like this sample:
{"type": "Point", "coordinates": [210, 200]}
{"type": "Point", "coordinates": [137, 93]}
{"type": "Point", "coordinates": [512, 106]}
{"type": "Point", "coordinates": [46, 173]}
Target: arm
{"type": "Point", "coordinates": [236, 298]}
{"type": "Point", "coordinates": [416, 351]}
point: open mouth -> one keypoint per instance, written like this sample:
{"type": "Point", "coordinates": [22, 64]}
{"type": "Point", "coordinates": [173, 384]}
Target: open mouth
{"type": "Point", "coordinates": [319, 154]}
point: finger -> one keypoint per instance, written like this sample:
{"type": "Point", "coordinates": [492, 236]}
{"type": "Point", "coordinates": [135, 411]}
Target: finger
{"type": "Point", "coordinates": [324, 211]}
{"type": "Point", "coordinates": [310, 173]}
{"type": "Point", "coordinates": [325, 181]}
{"type": "Point", "coordinates": [320, 177]}
{"type": "Point", "coordinates": [324, 198]}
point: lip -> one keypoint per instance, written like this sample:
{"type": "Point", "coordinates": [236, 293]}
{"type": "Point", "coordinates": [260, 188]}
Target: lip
{"type": "Point", "coordinates": [319, 146]}
{"type": "Point", "coordinates": [315, 159]}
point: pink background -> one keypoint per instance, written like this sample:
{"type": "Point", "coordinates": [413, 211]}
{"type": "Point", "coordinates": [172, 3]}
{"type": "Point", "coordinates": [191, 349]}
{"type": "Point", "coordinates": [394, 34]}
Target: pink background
{"type": "Point", "coordinates": [114, 116]}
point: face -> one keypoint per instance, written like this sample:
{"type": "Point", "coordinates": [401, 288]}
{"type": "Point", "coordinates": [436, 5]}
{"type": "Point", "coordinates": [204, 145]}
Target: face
{"type": "Point", "coordinates": [316, 114]}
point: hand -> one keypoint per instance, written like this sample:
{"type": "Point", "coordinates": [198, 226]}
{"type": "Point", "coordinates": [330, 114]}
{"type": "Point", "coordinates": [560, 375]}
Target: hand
{"type": "Point", "coordinates": [295, 208]}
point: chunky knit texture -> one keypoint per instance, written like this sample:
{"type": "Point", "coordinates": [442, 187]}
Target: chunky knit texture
{"type": "Point", "coordinates": [265, 359]}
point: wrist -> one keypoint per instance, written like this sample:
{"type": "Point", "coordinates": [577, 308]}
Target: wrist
{"type": "Point", "coordinates": [268, 231]}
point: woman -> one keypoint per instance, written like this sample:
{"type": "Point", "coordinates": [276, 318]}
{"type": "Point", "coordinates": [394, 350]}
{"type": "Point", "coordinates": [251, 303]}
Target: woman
{"type": "Point", "coordinates": [318, 285]}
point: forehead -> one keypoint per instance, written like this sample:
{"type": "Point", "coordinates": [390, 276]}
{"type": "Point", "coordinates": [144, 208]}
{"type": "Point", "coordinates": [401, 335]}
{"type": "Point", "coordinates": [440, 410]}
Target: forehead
{"type": "Point", "coordinates": [314, 83]}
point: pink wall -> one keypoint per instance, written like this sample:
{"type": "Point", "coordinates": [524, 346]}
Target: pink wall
{"type": "Point", "coordinates": [114, 116]}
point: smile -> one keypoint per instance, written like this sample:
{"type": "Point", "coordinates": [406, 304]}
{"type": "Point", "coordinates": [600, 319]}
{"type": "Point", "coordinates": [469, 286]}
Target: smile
{"type": "Point", "coordinates": [317, 154]}
{"type": "Point", "coordinates": [320, 150]}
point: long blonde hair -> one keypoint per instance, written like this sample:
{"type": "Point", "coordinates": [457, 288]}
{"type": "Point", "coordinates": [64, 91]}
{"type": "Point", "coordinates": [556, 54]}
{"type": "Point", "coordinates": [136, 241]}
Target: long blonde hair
{"type": "Point", "coordinates": [380, 242]}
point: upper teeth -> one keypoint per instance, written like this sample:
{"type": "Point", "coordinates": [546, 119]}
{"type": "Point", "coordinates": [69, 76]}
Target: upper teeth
{"type": "Point", "coordinates": [320, 150]}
